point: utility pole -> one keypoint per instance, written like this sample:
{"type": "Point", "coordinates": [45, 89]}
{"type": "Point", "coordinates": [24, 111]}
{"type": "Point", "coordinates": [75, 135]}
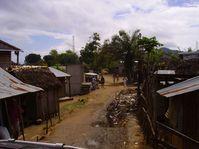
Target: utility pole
{"type": "Point", "coordinates": [73, 43]}
{"type": "Point", "coordinates": [197, 45]}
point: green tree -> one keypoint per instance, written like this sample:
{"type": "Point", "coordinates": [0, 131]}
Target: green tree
{"type": "Point", "coordinates": [69, 57]}
{"type": "Point", "coordinates": [91, 50]}
{"type": "Point", "coordinates": [189, 49]}
{"type": "Point", "coordinates": [32, 59]}
{"type": "Point", "coordinates": [55, 56]}
{"type": "Point", "coordinates": [152, 52]}
{"type": "Point", "coordinates": [106, 57]}
{"type": "Point", "coordinates": [49, 59]}
{"type": "Point", "coordinates": [123, 47]}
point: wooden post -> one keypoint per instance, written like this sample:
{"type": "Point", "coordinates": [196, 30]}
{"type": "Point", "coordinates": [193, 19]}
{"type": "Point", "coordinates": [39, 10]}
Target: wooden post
{"type": "Point", "coordinates": [46, 124]}
{"type": "Point", "coordinates": [21, 121]}
{"type": "Point", "coordinates": [65, 82]}
{"type": "Point", "coordinates": [139, 78]}
{"type": "Point", "coordinates": [8, 117]}
{"type": "Point", "coordinates": [69, 87]}
{"type": "Point", "coordinates": [48, 114]}
{"type": "Point", "coordinates": [57, 100]}
{"type": "Point", "coordinates": [17, 53]}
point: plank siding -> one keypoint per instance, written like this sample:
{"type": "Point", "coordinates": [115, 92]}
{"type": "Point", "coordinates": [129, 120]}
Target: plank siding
{"type": "Point", "coordinates": [5, 59]}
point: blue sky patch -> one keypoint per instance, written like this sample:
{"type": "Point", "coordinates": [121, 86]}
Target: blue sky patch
{"type": "Point", "coordinates": [40, 42]}
{"type": "Point", "coordinates": [181, 2]}
{"type": "Point", "coordinates": [121, 14]}
{"type": "Point", "coordinates": [195, 25]}
{"type": "Point", "coordinates": [138, 9]}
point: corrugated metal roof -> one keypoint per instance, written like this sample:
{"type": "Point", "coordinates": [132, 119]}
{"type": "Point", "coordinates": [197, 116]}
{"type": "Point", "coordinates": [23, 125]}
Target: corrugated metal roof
{"type": "Point", "coordinates": [59, 73]}
{"type": "Point", "coordinates": [91, 74]}
{"type": "Point", "coordinates": [11, 86]}
{"type": "Point", "coordinates": [187, 86]}
{"type": "Point", "coordinates": [163, 72]}
{"type": "Point", "coordinates": [8, 46]}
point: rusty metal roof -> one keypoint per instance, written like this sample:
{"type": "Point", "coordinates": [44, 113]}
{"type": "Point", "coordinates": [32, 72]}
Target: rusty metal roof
{"type": "Point", "coordinates": [59, 73]}
{"type": "Point", "coordinates": [6, 46]}
{"type": "Point", "coordinates": [11, 86]}
{"type": "Point", "coordinates": [187, 86]}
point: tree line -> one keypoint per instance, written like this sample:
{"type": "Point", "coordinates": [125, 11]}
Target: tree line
{"type": "Point", "coordinates": [53, 58]}
{"type": "Point", "coordinates": [122, 48]}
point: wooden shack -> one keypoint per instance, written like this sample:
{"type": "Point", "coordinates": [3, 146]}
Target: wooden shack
{"type": "Point", "coordinates": [39, 76]}
{"type": "Point", "coordinates": [64, 79]}
{"type": "Point", "coordinates": [6, 50]}
{"type": "Point", "coordinates": [183, 112]}
{"type": "Point", "coordinates": [13, 91]}
{"type": "Point", "coordinates": [153, 107]}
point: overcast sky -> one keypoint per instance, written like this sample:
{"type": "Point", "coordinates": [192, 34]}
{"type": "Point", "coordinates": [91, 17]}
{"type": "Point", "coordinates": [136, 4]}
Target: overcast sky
{"type": "Point", "coordinates": [41, 25]}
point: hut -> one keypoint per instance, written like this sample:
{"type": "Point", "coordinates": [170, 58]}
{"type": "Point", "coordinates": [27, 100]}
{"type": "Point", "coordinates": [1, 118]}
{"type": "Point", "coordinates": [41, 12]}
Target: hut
{"type": "Point", "coordinates": [77, 73]}
{"type": "Point", "coordinates": [64, 79]}
{"type": "Point", "coordinates": [12, 93]}
{"type": "Point", "coordinates": [154, 107]}
{"type": "Point", "coordinates": [6, 50]}
{"type": "Point", "coordinates": [42, 77]}
{"type": "Point", "coordinates": [183, 113]}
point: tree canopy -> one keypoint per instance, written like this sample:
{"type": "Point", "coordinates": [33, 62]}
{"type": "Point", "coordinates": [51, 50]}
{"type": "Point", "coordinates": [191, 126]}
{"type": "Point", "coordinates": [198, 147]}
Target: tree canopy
{"type": "Point", "coordinates": [32, 59]}
{"type": "Point", "coordinates": [123, 48]}
{"type": "Point", "coordinates": [64, 58]}
{"type": "Point", "coordinates": [89, 53]}
{"type": "Point", "coordinates": [68, 57]}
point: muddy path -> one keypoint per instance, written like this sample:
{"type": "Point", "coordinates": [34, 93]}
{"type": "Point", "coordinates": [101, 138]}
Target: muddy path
{"type": "Point", "coordinates": [87, 127]}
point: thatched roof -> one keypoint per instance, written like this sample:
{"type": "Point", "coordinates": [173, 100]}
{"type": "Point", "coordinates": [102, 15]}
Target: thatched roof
{"type": "Point", "coordinates": [37, 76]}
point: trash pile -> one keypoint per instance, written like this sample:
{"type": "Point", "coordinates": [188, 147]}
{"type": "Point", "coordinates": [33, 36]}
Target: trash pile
{"type": "Point", "coordinates": [123, 104]}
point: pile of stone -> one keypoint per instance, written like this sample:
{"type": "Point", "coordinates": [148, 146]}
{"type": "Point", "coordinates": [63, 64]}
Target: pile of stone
{"type": "Point", "coordinates": [123, 104]}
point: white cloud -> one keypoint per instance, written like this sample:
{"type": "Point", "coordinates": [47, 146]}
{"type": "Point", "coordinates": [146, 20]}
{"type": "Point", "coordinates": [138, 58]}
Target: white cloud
{"type": "Point", "coordinates": [61, 19]}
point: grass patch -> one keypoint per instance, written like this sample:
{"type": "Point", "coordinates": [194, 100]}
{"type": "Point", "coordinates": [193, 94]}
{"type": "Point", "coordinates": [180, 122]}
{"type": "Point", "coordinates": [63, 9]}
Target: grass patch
{"type": "Point", "coordinates": [75, 105]}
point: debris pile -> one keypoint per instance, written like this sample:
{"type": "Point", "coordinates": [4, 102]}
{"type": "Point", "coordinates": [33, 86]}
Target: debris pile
{"type": "Point", "coordinates": [123, 104]}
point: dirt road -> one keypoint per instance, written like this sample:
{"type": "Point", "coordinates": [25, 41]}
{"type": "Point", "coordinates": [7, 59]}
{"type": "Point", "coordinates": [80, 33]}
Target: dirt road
{"type": "Point", "coordinates": [83, 127]}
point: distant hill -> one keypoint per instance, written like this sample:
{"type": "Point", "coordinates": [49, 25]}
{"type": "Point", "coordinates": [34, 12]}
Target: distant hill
{"type": "Point", "coordinates": [167, 50]}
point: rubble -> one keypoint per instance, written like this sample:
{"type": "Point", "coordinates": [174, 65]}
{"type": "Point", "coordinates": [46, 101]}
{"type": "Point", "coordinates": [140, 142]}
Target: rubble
{"type": "Point", "coordinates": [123, 104]}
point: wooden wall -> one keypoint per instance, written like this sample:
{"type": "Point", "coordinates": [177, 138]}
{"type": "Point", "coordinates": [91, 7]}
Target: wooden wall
{"type": "Point", "coordinates": [5, 59]}
{"type": "Point", "coordinates": [77, 73]}
{"type": "Point", "coordinates": [62, 89]}
{"type": "Point", "coordinates": [191, 117]}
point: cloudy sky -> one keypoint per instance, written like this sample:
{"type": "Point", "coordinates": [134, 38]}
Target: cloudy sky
{"type": "Point", "coordinates": [40, 25]}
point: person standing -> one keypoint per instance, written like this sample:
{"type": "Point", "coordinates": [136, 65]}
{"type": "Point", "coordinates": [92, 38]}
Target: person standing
{"type": "Point", "coordinates": [94, 83]}
{"type": "Point", "coordinates": [117, 78]}
{"type": "Point", "coordinates": [114, 78]}
{"type": "Point", "coordinates": [102, 81]}
{"type": "Point", "coordinates": [125, 79]}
